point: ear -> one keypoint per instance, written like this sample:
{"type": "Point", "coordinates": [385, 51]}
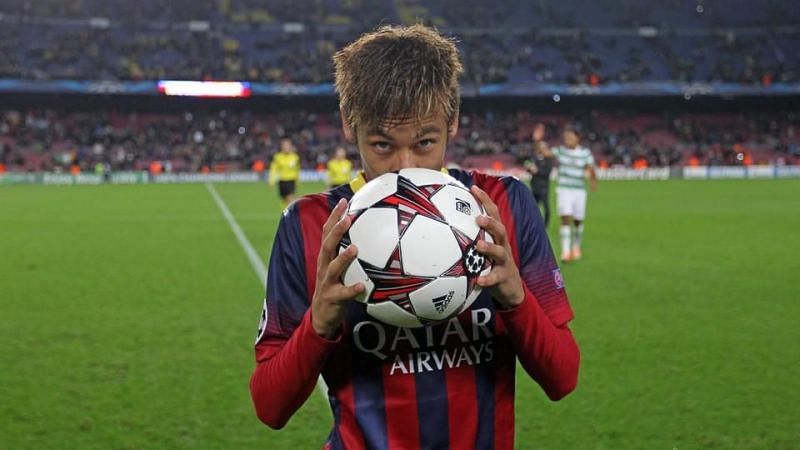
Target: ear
{"type": "Point", "coordinates": [452, 128]}
{"type": "Point", "coordinates": [349, 133]}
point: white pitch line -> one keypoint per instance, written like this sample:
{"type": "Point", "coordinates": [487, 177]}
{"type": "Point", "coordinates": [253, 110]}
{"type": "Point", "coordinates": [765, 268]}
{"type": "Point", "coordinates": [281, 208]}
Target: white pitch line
{"type": "Point", "coordinates": [255, 261]}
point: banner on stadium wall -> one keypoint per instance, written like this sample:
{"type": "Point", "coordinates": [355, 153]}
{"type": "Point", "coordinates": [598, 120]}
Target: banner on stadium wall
{"type": "Point", "coordinates": [733, 172]}
{"type": "Point", "coordinates": [611, 174]}
{"type": "Point", "coordinates": [624, 173]}
{"type": "Point", "coordinates": [18, 178]}
{"type": "Point", "coordinates": [695, 173]}
{"type": "Point", "coordinates": [787, 172]}
{"type": "Point", "coordinates": [740, 172]}
{"type": "Point", "coordinates": [553, 90]}
{"type": "Point", "coordinates": [760, 172]}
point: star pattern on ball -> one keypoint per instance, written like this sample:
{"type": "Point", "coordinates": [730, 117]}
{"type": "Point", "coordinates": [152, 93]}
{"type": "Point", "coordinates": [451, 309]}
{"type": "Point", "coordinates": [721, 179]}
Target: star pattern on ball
{"type": "Point", "coordinates": [391, 282]}
{"type": "Point", "coordinates": [410, 201]}
{"type": "Point", "coordinates": [473, 263]}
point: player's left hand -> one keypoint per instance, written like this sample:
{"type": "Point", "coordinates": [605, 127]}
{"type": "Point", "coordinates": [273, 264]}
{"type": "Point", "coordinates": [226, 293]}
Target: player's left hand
{"type": "Point", "coordinates": [504, 279]}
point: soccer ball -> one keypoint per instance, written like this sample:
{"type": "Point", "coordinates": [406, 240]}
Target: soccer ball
{"type": "Point", "coordinates": [416, 233]}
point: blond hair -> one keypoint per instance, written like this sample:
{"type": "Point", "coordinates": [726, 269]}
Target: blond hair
{"type": "Point", "coordinates": [396, 74]}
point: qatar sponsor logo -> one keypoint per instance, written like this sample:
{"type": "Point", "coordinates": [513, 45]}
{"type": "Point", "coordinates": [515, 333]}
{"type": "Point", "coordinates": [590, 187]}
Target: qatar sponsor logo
{"type": "Point", "coordinates": [452, 344]}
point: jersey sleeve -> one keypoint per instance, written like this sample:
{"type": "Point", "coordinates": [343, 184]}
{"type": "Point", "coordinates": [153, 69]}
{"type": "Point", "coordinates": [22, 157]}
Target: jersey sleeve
{"type": "Point", "coordinates": [287, 297]}
{"type": "Point", "coordinates": [589, 158]}
{"type": "Point", "coordinates": [537, 264]}
{"type": "Point", "coordinates": [537, 328]}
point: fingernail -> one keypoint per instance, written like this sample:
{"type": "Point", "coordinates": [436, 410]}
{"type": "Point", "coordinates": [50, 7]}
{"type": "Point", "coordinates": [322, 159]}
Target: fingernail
{"type": "Point", "coordinates": [483, 220]}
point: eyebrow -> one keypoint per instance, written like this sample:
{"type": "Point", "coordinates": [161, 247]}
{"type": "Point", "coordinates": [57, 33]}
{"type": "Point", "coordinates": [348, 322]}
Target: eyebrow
{"type": "Point", "coordinates": [380, 133]}
{"type": "Point", "coordinates": [425, 130]}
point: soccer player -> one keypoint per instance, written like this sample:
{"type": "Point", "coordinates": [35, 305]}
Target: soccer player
{"type": "Point", "coordinates": [340, 169]}
{"type": "Point", "coordinates": [285, 170]}
{"type": "Point", "coordinates": [540, 166]}
{"type": "Point", "coordinates": [574, 163]}
{"type": "Point", "coordinates": [399, 99]}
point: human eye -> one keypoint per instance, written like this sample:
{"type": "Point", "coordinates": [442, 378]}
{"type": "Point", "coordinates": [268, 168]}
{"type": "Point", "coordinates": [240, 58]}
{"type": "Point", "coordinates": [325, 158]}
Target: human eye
{"type": "Point", "coordinates": [426, 144]}
{"type": "Point", "coordinates": [381, 146]}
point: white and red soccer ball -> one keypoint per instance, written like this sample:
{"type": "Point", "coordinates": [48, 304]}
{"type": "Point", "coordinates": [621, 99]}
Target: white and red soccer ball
{"type": "Point", "coordinates": [416, 233]}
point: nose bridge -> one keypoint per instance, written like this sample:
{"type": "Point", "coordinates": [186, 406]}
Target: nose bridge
{"type": "Point", "coordinates": [405, 157]}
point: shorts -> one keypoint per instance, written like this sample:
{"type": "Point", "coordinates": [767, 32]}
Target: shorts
{"type": "Point", "coordinates": [571, 202]}
{"type": "Point", "coordinates": [286, 187]}
{"type": "Point", "coordinates": [540, 195]}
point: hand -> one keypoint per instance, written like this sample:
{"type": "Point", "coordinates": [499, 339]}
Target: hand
{"type": "Point", "coordinates": [331, 295]}
{"type": "Point", "coordinates": [504, 279]}
{"type": "Point", "coordinates": [531, 167]}
{"type": "Point", "coordinates": [593, 184]}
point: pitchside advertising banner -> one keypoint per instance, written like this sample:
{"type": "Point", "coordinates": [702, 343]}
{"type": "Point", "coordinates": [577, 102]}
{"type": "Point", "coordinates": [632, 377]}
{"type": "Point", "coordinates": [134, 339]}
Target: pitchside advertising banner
{"type": "Point", "coordinates": [610, 174]}
{"type": "Point", "coordinates": [740, 172]}
{"type": "Point", "coordinates": [142, 177]}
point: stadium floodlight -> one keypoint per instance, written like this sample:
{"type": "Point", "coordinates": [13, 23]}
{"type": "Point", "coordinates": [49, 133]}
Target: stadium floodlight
{"type": "Point", "coordinates": [204, 88]}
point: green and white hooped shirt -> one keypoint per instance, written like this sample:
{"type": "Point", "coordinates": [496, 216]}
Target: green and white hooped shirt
{"type": "Point", "coordinates": [571, 166]}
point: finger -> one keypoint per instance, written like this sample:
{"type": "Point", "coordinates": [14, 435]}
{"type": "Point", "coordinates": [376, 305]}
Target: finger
{"type": "Point", "coordinates": [350, 292]}
{"type": "Point", "coordinates": [492, 278]}
{"type": "Point", "coordinates": [339, 264]}
{"type": "Point", "coordinates": [334, 217]}
{"type": "Point", "coordinates": [496, 252]}
{"type": "Point", "coordinates": [494, 227]}
{"type": "Point", "coordinates": [488, 205]}
{"type": "Point", "coordinates": [341, 294]}
{"type": "Point", "coordinates": [331, 241]}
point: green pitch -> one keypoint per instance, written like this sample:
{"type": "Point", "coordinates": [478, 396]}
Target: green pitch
{"type": "Point", "coordinates": [128, 313]}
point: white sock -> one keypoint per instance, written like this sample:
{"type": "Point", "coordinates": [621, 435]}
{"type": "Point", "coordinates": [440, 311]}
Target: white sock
{"type": "Point", "coordinates": [577, 235]}
{"type": "Point", "coordinates": [565, 235]}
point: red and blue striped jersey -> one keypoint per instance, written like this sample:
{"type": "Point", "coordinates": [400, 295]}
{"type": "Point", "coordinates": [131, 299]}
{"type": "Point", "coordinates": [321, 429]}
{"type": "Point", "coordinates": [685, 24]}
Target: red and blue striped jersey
{"type": "Point", "coordinates": [449, 385]}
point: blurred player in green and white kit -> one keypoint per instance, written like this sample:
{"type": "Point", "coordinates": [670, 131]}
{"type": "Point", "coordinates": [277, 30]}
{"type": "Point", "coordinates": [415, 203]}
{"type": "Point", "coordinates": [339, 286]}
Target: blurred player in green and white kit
{"type": "Point", "coordinates": [575, 163]}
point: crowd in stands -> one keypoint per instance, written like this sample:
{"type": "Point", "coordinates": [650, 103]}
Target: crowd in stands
{"type": "Point", "coordinates": [575, 41]}
{"type": "Point", "coordinates": [291, 41]}
{"type": "Point", "coordinates": [225, 140]}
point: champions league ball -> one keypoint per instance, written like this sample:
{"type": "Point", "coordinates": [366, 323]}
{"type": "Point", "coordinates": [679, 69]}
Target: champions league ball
{"type": "Point", "coordinates": [416, 233]}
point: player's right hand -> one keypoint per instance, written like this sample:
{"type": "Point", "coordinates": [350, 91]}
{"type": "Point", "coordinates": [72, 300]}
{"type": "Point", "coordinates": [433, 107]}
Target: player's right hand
{"type": "Point", "coordinates": [329, 302]}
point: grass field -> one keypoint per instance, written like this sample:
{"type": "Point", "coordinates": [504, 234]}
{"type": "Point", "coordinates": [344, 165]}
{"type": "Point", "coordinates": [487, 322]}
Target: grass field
{"type": "Point", "coordinates": [127, 316]}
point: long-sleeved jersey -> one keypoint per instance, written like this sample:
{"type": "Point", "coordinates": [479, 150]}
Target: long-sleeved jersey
{"type": "Point", "coordinates": [449, 385]}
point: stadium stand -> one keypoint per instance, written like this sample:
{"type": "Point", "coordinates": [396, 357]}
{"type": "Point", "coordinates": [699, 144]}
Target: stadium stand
{"type": "Point", "coordinates": [575, 42]}
{"type": "Point", "coordinates": [579, 41]}
{"type": "Point", "coordinates": [36, 140]}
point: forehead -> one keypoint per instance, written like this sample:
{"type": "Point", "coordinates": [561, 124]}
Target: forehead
{"type": "Point", "coordinates": [413, 127]}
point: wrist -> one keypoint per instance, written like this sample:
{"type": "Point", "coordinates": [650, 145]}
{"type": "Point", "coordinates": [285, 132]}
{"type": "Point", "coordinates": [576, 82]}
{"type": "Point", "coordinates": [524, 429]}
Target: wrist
{"type": "Point", "coordinates": [512, 302]}
{"type": "Point", "coordinates": [325, 329]}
